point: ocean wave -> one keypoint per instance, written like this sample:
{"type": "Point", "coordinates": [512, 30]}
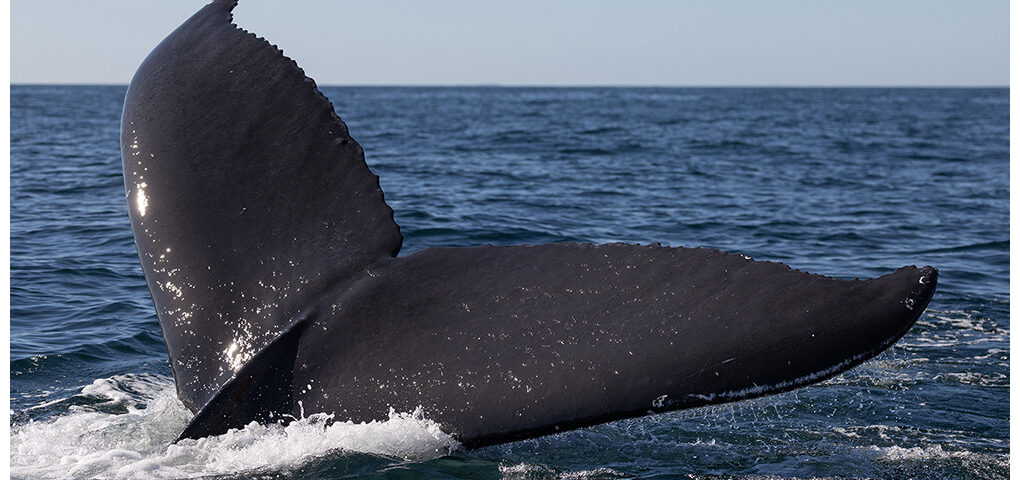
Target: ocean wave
{"type": "Point", "coordinates": [126, 430]}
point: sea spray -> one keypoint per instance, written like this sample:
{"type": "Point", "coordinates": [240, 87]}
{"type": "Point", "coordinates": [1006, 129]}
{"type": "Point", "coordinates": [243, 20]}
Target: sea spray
{"type": "Point", "coordinates": [88, 441]}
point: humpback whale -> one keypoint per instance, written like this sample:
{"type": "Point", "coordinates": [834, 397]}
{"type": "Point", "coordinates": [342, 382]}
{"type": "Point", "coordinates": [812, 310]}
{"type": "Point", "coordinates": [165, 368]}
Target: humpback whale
{"type": "Point", "coordinates": [272, 260]}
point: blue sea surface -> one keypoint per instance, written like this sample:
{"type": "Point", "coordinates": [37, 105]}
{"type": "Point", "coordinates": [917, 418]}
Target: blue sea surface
{"type": "Point", "coordinates": [842, 182]}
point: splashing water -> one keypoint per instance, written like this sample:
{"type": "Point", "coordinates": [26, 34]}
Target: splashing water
{"type": "Point", "coordinates": [126, 430]}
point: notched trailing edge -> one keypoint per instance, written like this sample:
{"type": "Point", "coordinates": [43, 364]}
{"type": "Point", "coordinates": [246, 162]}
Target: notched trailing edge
{"type": "Point", "coordinates": [226, 7]}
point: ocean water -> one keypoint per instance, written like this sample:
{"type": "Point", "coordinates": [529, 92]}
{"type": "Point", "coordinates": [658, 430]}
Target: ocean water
{"type": "Point", "coordinates": [842, 182]}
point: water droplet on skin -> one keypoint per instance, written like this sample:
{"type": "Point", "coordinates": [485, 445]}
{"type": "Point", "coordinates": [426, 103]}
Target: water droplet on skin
{"type": "Point", "coordinates": [141, 201]}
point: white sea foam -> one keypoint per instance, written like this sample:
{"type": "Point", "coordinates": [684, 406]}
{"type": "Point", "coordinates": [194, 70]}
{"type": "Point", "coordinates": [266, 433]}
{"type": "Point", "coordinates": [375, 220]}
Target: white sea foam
{"type": "Point", "coordinates": [525, 471]}
{"type": "Point", "coordinates": [603, 472]}
{"type": "Point", "coordinates": [528, 471]}
{"type": "Point", "coordinates": [925, 454]}
{"type": "Point", "coordinates": [87, 442]}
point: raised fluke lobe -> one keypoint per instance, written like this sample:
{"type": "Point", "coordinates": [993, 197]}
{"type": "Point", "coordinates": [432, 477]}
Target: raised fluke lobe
{"type": "Point", "coordinates": [270, 254]}
{"type": "Point", "coordinates": [254, 196]}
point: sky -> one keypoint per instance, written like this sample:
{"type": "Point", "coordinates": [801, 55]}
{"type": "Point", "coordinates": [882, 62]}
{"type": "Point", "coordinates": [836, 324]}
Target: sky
{"type": "Point", "coordinates": [548, 42]}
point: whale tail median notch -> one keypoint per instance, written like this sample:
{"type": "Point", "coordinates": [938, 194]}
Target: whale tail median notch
{"type": "Point", "coordinates": [270, 255]}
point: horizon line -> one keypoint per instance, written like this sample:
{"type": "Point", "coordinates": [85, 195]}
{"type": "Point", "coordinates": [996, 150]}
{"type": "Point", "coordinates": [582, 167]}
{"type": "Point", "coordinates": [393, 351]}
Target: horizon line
{"type": "Point", "coordinates": [539, 85]}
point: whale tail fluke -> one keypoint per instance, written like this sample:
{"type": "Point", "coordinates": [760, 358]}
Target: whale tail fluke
{"type": "Point", "coordinates": [271, 257]}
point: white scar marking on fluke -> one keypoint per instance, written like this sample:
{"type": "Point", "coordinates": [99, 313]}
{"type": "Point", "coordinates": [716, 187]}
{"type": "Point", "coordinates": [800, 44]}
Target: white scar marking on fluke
{"type": "Point", "coordinates": [758, 390]}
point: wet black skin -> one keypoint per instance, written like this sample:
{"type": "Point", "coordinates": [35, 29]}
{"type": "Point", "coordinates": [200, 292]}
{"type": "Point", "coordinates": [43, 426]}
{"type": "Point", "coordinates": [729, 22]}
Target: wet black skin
{"type": "Point", "coordinates": [271, 257]}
